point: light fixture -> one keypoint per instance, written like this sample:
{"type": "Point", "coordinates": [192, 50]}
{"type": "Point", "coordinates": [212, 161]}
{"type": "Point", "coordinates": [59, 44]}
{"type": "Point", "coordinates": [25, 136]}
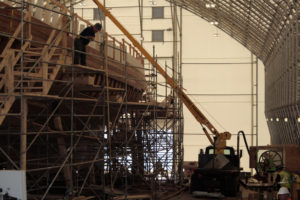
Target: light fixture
{"type": "Point", "coordinates": [298, 119]}
{"type": "Point", "coordinates": [210, 5]}
{"type": "Point", "coordinates": [152, 3]}
{"type": "Point", "coordinates": [216, 34]}
{"type": "Point", "coordinates": [214, 23]}
{"type": "Point", "coordinates": [271, 119]}
{"type": "Point", "coordinates": [82, 3]}
{"type": "Point", "coordinates": [277, 119]}
{"type": "Point", "coordinates": [286, 119]}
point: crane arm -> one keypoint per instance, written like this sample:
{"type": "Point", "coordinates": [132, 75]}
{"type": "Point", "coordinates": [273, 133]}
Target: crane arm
{"type": "Point", "coordinates": [180, 93]}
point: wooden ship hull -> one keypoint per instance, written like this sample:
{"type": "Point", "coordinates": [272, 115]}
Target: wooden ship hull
{"type": "Point", "coordinates": [65, 124]}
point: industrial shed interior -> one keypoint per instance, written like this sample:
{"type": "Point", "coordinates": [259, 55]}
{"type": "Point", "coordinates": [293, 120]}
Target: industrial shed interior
{"type": "Point", "coordinates": [270, 30]}
{"type": "Point", "coordinates": [103, 130]}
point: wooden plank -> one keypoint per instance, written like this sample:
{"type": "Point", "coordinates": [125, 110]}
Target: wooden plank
{"type": "Point", "coordinates": [28, 74]}
{"type": "Point", "coordinates": [7, 106]}
{"type": "Point", "coordinates": [76, 24]}
{"type": "Point", "coordinates": [39, 11]}
{"type": "Point", "coordinates": [52, 34]}
{"type": "Point", "coordinates": [7, 2]}
{"type": "Point", "coordinates": [29, 18]}
{"type": "Point", "coordinates": [65, 8]}
{"type": "Point", "coordinates": [93, 60]}
{"type": "Point", "coordinates": [63, 151]}
{"type": "Point", "coordinates": [83, 67]}
{"type": "Point", "coordinates": [58, 39]}
{"type": "Point", "coordinates": [292, 158]}
{"type": "Point", "coordinates": [9, 83]}
{"type": "Point", "coordinates": [23, 137]}
{"type": "Point", "coordinates": [62, 57]}
{"type": "Point", "coordinates": [27, 52]}
{"type": "Point", "coordinates": [18, 56]}
{"type": "Point", "coordinates": [47, 13]}
{"type": "Point", "coordinates": [12, 39]}
{"type": "Point", "coordinates": [55, 16]}
{"type": "Point", "coordinates": [45, 73]}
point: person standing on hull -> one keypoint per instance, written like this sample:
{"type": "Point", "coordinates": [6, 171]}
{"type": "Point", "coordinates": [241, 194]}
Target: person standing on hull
{"type": "Point", "coordinates": [82, 41]}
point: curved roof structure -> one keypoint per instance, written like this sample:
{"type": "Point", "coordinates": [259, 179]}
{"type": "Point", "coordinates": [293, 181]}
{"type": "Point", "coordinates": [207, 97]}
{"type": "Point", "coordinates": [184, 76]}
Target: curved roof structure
{"type": "Point", "coordinates": [256, 24]}
{"type": "Point", "coordinates": [270, 30]}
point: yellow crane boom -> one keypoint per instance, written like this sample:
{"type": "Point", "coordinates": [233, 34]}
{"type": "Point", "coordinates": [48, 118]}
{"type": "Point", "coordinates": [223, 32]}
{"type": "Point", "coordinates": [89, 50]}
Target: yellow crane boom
{"type": "Point", "coordinates": [221, 138]}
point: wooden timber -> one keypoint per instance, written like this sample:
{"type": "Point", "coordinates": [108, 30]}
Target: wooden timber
{"type": "Point", "coordinates": [62, 109]}
{"type": "Point", "coordinates": [48, 60]}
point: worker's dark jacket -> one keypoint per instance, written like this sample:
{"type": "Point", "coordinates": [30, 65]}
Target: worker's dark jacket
{"type": "Point", "coordinates": [89, 31]}
{"type": "Point", "coordinates": [80, 44]}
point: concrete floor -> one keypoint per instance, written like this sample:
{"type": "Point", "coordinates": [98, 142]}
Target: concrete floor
{"type": "Point", "coordinates": [188, 196]}
{"type": "Point", "coordinates": [245, 195]}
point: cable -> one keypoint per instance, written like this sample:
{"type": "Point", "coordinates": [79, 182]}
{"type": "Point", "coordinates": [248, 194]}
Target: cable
{"type": "Point", "coordinates": [207, 112]}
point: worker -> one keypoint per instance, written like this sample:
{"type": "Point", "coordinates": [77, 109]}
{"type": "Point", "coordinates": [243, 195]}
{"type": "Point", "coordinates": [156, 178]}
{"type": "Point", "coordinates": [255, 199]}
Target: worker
{"type": "Point", "coordinates": [283, 178]}
{"type": "Point", "coordinates": [283, 194]}
{"type": "Point", "coordinates": [80, 43]}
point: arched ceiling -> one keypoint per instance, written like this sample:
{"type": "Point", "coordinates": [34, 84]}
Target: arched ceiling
{"type": "Point", "coordinates": [256, 24]}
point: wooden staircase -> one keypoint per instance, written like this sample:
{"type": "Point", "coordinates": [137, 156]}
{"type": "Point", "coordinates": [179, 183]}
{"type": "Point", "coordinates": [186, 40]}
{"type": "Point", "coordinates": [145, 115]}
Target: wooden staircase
{"type": "Point", "coordinates": [35, 74]}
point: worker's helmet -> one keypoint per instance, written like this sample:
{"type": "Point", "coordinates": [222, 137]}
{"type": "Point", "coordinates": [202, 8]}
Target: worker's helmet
{"type": "Point", "coordinates": [98, 26]}
{"type": "Point", "coordinates": [283, 190]}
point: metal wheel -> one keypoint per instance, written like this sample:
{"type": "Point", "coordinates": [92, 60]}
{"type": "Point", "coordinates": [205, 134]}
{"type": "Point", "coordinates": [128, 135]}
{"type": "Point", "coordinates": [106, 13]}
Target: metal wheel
{"type": "Point", "coordinates": [269, 160]}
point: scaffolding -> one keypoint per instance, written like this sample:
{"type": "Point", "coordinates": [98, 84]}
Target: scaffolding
{"type": "Point", "coordinates": [97, 131]}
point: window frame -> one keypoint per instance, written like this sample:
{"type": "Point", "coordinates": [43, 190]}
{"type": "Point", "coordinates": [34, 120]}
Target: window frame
{"type": "Point", "coordinates": [155, 38]}
{"type": "Point", "coordinates": [158, 15]}
{"type": "Point", "coordinates": [97, 14]}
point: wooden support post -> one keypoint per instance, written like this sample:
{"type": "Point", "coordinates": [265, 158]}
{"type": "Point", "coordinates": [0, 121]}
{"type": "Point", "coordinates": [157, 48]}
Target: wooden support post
{"type": "Point", "coordinates": [123, 49]}
{"type": "Point", "coordinates": [76, 26]}
{"type": "Point", "coordinates": [8, 81]}
{"type": "Point", "coordinates": [45, 73]}
{"type": "Point", "coordinates": [47, 55]}
{"type": "Point", "coordinates": [9, 72]}
{"type": "Point", "coordinates": [38, 11]}
{"type": "Point", "coordinates": [65, 22]}
{"type": "Point", "coordinates": [14, 61]}
{"type": "Point", "coordinates": [48, 13]}
{"type": "Point", "coordinates": [63, 151]}
{"type": "Point", "coordinates": [8, 2]}
{"type": "Point", "coordinates": [29, 18]}
{"type": "Point", "coordinates": [54, 16]}
{"type": "Point", "coordinates": [23, 137]}
{"type": "Point", "coordinates": [114, 48]}
{"type": "Point", "coordinates": [12, 39]}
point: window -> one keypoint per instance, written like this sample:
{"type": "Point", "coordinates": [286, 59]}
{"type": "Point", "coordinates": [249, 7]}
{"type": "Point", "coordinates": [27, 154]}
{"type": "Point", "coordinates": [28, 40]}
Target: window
{"type": "Point", "coordinates": [98, 14]}
{"type": "Point", "coordinates": [157, 12]}
{"type": "Point", "coordinates": [227, 152]}
{"type": "Point", "coordinates": [157, 35]}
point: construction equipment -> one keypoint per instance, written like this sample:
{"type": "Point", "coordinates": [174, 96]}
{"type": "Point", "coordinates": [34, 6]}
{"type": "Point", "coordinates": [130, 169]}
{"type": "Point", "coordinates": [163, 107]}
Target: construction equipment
{"type": "Point", "coordinates": [269, 161]}
{"type": "Point", "coordinates": [218, 151]}
{"type": "Point", "coordinates": [218, 173]}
